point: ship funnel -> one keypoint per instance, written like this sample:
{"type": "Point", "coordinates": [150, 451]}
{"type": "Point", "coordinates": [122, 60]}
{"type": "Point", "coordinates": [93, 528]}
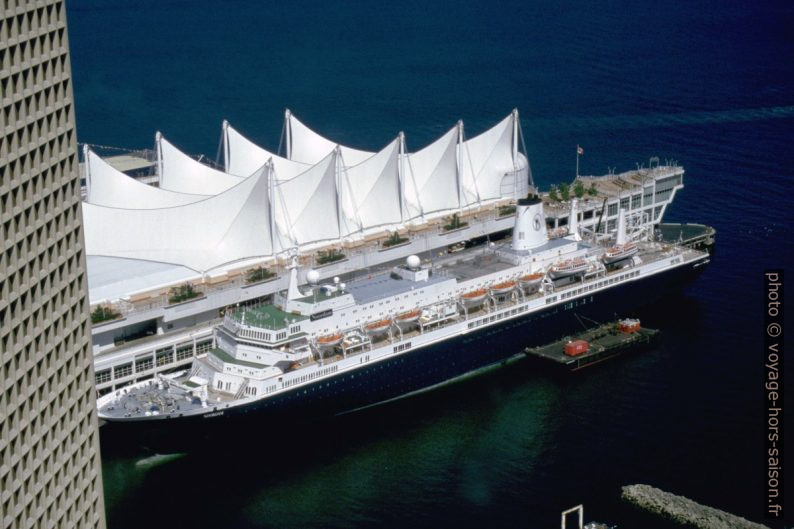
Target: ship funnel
{"type": "Point", "coordinates": [620, 238]}
{"type": "Point", "coordinates": [530, 228]}
{"type": "Point", "coordinates": [573, 222]}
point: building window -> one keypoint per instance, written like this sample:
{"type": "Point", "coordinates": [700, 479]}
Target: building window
{"type": "Point", "coordinates": [143, 364]}
{"type": "Point", "coordinates": [122, 371]}
{"type": "Point", "coordinates": [184, 352]}
{"type": "Point", "coordinates": [164, 357]}
{"type": "Point", "coordinates": [102, 376]}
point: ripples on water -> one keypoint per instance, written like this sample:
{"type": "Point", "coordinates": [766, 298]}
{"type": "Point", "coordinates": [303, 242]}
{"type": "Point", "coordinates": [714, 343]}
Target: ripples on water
{"type": "Point", "coordinates": [705, 83]}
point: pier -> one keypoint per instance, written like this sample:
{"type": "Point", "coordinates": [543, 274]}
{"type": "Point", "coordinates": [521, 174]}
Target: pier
{"type": "Point", "coordinates": [683, 510]}
{"type": "Point", "coordinates": [697, 236]}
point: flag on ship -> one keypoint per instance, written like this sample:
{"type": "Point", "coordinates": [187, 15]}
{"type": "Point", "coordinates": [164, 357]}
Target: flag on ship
{"type": "Point", "coordinates": [579, 150]}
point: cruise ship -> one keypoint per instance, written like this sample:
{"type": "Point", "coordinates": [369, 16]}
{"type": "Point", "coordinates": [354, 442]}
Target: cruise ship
{"type": "Point", "coordinates": [446, 197]}
{"type": "Point", "coordinates": [326, 348]}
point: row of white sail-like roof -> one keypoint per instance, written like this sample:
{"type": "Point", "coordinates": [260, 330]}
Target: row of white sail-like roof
{"type": "Point", "coordinates": [203, 218]}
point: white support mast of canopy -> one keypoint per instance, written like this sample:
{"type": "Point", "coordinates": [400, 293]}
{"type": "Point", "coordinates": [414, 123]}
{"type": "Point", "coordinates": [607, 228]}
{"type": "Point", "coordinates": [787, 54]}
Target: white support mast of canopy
{"type": "Point", "coordinates": [306, 146]}
{"type": "Point", "coordinates": [181, 173]}
{"type": "Point", "coordinates": [223, 229]}
{"type": "Point", "coordinates": [242, 157]}
{"type": "Point", "coordinates": [107, 186]}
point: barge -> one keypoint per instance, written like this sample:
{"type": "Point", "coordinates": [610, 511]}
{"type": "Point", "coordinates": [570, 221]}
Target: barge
{"type": "Point", "coordinates": [595, 345]}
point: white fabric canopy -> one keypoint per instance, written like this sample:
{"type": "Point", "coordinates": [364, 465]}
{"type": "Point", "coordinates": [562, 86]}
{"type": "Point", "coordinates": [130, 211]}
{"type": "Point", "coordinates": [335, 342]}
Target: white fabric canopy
{"type": "Point", "coordinates": [225, 228]}
{"type": "Point", "coordinates": [487, 158]}
{"type": "Point", "coordinates": [306, 208]}
{"type": "Point", "coordinates": [181, 173]}
{"type": "Point", "coordinates": [242, 157]}
{"type": "Point", "coordinates": [107, 186]}
{"type": "Point", "coordinates": [373, 188]}
{"type": "Point", "coordinates": [431, 181]}
{"type": "Point", "coordinates": [306, 146]}
{"type": "Point", "coordinates": [489, 166]}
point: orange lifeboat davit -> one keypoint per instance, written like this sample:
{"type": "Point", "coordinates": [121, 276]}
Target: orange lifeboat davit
{"type": "Point", "coordinates": [377, 328]}
{"type": "Point", "coordinates": [330, 340]}
{"type": "Point", "coordinates": [531, 281]}
{"type": "Point", "coordinates": [502, 288]}
{"type": "Point", "coordinates": [407, 319]}
{"type": "Point", "coordinates": [474, 298]}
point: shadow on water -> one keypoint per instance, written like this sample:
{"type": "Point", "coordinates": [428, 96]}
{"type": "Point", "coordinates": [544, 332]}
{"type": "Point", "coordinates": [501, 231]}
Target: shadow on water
{"type": "Point", "coordinates": [331, 472]}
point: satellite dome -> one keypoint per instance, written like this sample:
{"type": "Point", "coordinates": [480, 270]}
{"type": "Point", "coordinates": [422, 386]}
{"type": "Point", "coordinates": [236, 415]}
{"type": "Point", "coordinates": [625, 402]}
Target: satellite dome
{"type": "Point", "coordinates": [413, 261]}
{"type": "Point", "coordinates": [313, 276]}
{"type": "Point", "coordinates": [336, 280]}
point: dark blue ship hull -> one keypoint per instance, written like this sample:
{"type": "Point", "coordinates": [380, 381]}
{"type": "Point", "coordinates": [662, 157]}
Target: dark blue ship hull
{"type": "Point", "coordinates": [408, 373]}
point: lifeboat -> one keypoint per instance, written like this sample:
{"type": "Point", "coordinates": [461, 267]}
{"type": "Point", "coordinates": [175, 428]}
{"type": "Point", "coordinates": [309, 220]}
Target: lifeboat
{"type": "Point", "coordinates": [377, 328]}
{"type": "Point", "coordinates": [568, 268]}
{"type": "Point", "coordinates": [530, 281]}
{"type": "Point", "coordinates": [502, 288]}
{"type": "Point", "coordinates": [406, 319]}
{"type": "Point", "coordinates": [330, 340]}
{"type": "Point", "coordinates": [619, 252]}
{"type": "Point", "coordinates": [474, 298]}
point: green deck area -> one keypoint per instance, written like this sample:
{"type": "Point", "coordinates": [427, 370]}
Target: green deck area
{"type": "Point", "coordinates": [319, 294]}
{"type": "Point", "coordinates": [266, 317]}
{"type": "Point", "coordinates": [225, 357]}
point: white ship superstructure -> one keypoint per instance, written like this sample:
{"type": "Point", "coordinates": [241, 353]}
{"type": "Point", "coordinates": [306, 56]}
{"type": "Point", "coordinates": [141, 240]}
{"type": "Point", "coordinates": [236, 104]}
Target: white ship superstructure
{"type": "Point", "coordinates": [318, 332]}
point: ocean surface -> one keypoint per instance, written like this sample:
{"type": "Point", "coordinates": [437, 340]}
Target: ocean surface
{"type": "Point", "coordinates": [709, 84]}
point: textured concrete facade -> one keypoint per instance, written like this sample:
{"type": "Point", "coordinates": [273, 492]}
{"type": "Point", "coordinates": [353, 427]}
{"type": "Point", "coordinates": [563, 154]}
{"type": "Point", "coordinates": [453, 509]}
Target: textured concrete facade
{"type": "Point", "coordinates": [50, 469]}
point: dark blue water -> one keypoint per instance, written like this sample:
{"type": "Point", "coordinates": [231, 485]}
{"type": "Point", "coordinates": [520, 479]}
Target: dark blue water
{"type": "Point", "coordinates": [710, 84]}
